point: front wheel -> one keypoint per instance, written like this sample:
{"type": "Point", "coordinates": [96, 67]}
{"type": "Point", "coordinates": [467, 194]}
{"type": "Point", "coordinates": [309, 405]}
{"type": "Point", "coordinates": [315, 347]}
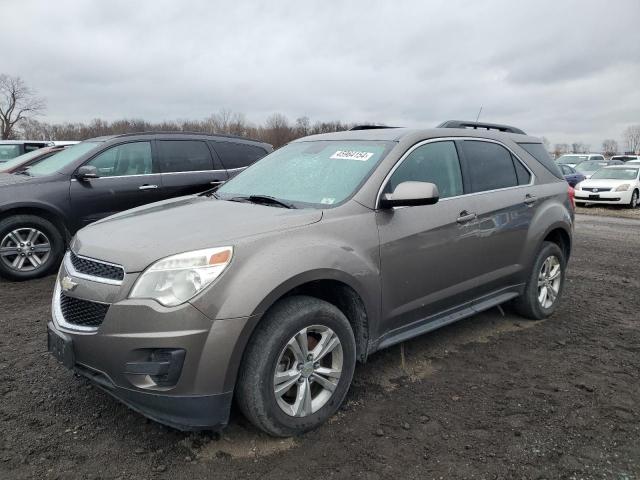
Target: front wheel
{"type": "Point", "coordinates": [544, 287]}
{"type": "Point", "coordinates": [634, 199]}
{"type": "Point", "coordinates": [297, 368]}
{"type": "Point", "coordinates": [30, 247]}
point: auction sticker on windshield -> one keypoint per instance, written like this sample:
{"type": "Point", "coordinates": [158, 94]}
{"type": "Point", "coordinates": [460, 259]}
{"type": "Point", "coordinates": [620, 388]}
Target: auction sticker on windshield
{"type": "Point", "coordinates": [351, 155]}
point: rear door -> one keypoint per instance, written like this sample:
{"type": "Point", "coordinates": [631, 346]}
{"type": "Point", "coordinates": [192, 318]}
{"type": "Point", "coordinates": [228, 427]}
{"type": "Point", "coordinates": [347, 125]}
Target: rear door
{"type": "Point", "coordinates": [127, 180]}
{"type": "Point", "coordinates": [504, 203]}
{"type": "Point", "coordinates": [237, 156]}
{"type": "Point", "coordinates": [187, 167]}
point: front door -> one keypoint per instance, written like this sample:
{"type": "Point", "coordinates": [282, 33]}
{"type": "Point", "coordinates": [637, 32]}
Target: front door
{"type": "Point", "coordinates": [126, 180]}
{"type": "Point", "coordinates": [428, 253]}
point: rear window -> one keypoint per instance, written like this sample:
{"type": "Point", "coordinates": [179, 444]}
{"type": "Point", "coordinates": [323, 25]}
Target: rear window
{"type": "Point", "coordinates": [237, 155]}
{"type": "Point", "coordinates": [537, 151]}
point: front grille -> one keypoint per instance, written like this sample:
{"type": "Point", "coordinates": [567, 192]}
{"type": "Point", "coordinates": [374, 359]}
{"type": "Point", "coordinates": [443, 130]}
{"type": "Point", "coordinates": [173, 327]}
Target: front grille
{"type": "Point", "coordinates": [82, 312]}
{"type": "Point", "coordinates": [595, 189]}
{"type": "Point", "coordinates": [96, 268]}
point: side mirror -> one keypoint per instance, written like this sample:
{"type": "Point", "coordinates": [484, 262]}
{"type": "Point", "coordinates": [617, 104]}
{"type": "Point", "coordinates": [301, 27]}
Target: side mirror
{"type": "Point", "coordinates": [87, 172]}
{"type": "Point", "coordinates": [410, 194]}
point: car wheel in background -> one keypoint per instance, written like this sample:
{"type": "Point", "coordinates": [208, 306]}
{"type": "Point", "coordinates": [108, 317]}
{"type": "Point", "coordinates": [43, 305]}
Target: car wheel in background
{"type": "Point", "coordinates": [30, 247]}
{"type": "Point", "coordinates": [297, 368]}
{"type": "Point", "coordinates": [544, 287]}
{"type": "Point", "coordinates": [634, 199]}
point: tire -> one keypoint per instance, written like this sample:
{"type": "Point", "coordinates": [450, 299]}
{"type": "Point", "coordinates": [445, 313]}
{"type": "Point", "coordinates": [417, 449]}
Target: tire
{"type": "Point", "coordinates": [268, 353]}
{"type": "Point", "coordinates": [634, 200]}
{"type": "Point", "coordinates": [529, 304]}
{"type": "Point", "coordinates": [36, 262]}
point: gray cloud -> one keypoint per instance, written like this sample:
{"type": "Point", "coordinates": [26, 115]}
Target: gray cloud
{"type": "Point", "coordinates": [567, 70]}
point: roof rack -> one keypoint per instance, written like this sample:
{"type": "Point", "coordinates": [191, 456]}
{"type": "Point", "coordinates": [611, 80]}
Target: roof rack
{"type": "Point", "coordinates": [369, 127]}
{"type": "Point", "coordinates": [164, 132]}
{"type": "Point", "coordinates": [480, 125]}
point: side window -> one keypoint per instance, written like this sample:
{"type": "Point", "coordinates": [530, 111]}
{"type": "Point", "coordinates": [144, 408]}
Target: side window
{"type": "Point", "coordinates": [184, 156]}
{"type": "Point", "coordinates": [566, 170]}
{"type": "Point", "coordinates": [237, 155]}
{"type": "Point", "coordinates": [126, 159]}
{"type": "Point", "coordinates": [599, 158]}
{"type": "Point", "coordinates": [524, 177]}
{"type": "Point", "coordinates": [490, 166]}
{"type": "Point", "coordinates": [433, 162]}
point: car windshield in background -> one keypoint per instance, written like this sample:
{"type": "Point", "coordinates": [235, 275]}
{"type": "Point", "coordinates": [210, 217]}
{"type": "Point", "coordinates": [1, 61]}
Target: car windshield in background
{"type": "Point", "coordinates": [615, 174]}
{"type": "Point", "coordinates": [590, 166]}
{"type": "Point", "coordinates": [315, 174]}
{"type": "Point", "coordinates": [62, 159]}
{"type": "Point", "coordinates": [8, 152]}
{"type": "Point", "coordinates": [571, 159]}
{"type": "Point", "coordinates": [20, 158]}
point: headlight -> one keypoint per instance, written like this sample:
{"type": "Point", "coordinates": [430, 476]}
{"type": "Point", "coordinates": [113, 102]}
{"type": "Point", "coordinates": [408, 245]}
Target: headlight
{"type": "Point", "coordinates": [174, 280]}
{"type": "Point", "coordinates": [623, 188]}
{"type": "Point", "coordinates": [578, 187]}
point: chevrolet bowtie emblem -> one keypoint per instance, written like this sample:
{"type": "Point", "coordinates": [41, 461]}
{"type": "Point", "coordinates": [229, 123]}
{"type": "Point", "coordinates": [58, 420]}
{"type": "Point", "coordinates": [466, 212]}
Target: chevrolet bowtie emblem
{"type": "Point", "coordinates": [68, 284]}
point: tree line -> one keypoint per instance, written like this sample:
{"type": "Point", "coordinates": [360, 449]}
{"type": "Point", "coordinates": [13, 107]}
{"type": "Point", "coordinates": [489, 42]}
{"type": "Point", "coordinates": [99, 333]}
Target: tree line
{"type": "Point", "coordinates": [20, 105]}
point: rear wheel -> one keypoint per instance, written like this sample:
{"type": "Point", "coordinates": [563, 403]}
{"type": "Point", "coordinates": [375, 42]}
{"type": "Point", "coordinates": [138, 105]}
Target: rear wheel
{"type": "Point", "coordinates": [544, 287]}
{"type": "Point", "coordinates": [297, 368]}
{"type": "Point", "coordinates": [30, 247]}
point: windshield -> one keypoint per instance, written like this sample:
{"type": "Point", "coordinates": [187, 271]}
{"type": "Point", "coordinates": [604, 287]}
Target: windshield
{"type": "Point", "coordinates": [9, 151]}
{"type": "Point", "coordinates": [62, 159]}
{"type": "Point", "coordinates": [590, 166]}
{"type": "Point", "coordinates": [571, 159]}
{"type": "Point", "coordinates": [616, 174]}
{"type": "Point", "coordinates": [318, 174]}
{"type": "Point", "coordinates": [21, 159]}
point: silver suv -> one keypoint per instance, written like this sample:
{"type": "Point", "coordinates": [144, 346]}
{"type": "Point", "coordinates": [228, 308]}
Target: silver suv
{"type": "Point", "coordinates": [270, 289]}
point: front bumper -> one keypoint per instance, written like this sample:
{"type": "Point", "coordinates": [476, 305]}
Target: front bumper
{"type": "Point", "coordinates": [200, 395]}
{"type": "Point", "coordinates": [614, 198]}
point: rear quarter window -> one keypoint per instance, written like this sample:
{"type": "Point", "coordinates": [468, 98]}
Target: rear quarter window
{"type": "Point", "coordinates": [537, 151]}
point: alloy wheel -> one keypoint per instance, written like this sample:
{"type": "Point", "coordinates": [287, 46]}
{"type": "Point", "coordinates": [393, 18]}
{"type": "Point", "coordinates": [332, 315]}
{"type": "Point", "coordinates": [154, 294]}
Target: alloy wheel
{"type": "Point", "coordinates": [25, 249]}
{"type": "Point", "coordinates": [549, 279]}
{"type": "Point", "coordinates": [308, 371]}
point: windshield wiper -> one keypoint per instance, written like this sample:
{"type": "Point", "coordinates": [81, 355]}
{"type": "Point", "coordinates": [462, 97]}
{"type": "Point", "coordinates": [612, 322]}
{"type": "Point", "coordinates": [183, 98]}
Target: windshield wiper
{"type": "Point", "coordinates": [262, 200]}
{"type": "Point", "coordinates": [23, 172]}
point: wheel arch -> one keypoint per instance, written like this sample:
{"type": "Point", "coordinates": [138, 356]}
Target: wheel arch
{"type": "Point", "coordinates": [53, 215]}
{"type": "Point", "coordinates": [331, 286]}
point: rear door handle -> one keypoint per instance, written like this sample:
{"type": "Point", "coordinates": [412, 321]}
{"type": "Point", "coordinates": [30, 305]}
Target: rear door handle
{"type": "Point", "coordinates": [147, 187]}
{"type": "Point", "coordinates": [466, 217]}
{"type": "Point", "coordinates": [530, 199]}
{"type": "Point", "coordinates": [216, 182]}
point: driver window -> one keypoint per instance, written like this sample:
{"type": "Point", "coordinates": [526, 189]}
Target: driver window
{"type": "Point", "coordinates": [433, 162]}
{"type": "Point", "coordinates": [123, 160]}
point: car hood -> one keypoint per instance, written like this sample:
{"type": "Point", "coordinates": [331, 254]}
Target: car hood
{"type": "Point", "coordinates": [136, 238]}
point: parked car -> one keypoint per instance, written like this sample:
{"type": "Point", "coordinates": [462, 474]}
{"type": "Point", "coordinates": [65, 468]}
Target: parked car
{"type": "Point", "coordinates": [589, 168]}
{"type": "Point", "coordinates": [626, 158]}
{"type": "Point", "coordinates": [27, 159]}
{"type": "Point", "coordinates": [326, 250]}
{"type": "Point", "coordinates": [43, 206]}
{"type": "Point", "coordinates": [575, 159]}
{"type": "Point", "coordinates": [13, 148]}
{"type": "Point", "coordinates": [615, 185]}
{"type": "Point", "coordinates": [633, 162]}
{"type": "Point", "coordinates": [571, 175]}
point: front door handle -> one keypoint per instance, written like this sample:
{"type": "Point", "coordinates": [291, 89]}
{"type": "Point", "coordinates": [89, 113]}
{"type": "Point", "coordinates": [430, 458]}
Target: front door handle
{"type": "Point", "coordinates": [147, 187]}
{"type": "Point", "coordinates": [530, 199]}
{"type": "Point", "coordinates": [466, 217]}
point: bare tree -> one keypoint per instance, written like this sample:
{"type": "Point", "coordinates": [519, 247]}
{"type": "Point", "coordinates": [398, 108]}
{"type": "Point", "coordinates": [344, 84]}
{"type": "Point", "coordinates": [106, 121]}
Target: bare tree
{"type": "Point", "coordinates": [609, 147]}
{"type": "Point", "coordinates": [579, 147]}
{"type": "Point", "coordinates": [632, 138]}
{"type": "Point", "coordinates": [18, 102]}
{"type": "Point", "coordinates": [561, 149]}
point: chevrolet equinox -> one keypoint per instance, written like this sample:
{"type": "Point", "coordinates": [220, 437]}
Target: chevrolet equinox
{"type": "Point", "coordinates": [270, 289]}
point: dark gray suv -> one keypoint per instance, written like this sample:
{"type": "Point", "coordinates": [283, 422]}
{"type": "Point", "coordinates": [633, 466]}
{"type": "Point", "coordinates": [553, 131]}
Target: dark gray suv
{"type": "Point", "coordinates": [330, 248]}
{"type": "Point", "coordinates": [43, 206]}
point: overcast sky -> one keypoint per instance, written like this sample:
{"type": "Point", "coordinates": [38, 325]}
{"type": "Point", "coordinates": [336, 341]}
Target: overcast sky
{"type": "Point", "coordinates": [569, 70]}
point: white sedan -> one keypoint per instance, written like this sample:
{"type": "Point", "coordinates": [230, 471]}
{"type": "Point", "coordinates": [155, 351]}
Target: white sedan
{"type": "Point", "coordinates": [616, 185]}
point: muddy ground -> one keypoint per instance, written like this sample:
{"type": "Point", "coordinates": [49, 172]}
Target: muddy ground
{"type": "Point", "coordinates": [491, 397]}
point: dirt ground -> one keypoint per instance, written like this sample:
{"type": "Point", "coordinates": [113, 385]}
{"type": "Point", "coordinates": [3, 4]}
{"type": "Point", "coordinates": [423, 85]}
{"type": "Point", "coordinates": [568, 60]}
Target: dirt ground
{"type": "Point", "coordinates": [609, 211]}
{"type": "Point", "coordinates": [491, 397]}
